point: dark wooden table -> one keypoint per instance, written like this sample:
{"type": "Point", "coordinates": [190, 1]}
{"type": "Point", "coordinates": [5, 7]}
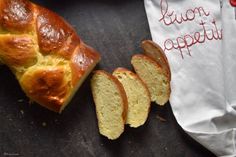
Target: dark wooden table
{"type": "Point", "coordinates": [115, 28]}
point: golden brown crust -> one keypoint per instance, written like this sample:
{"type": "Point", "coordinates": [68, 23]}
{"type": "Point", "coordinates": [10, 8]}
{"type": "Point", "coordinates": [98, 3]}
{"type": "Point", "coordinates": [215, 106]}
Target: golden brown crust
{"type": "Point", "coordinates": [120, 88]}
{"type": "Point", "coordinates": [69, 46]}
{"type": "Point", "coordinates": [16, 15]}
{"type": "Point", "coordinates": [17, 50]}
{"type": "Point", "coordinates": [83, 58]}
{"type": "Point", "coordinates": [44, 52]}
{"type": "Point", "coordinates": [153, 50]}
{"type": "Point", "coordinates": [53, 32]}
{"type": "Point", "coordinates": [46, 87]}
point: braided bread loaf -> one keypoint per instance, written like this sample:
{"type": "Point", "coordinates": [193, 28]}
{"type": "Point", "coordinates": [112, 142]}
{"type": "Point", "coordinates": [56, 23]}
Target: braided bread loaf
{"type": "Point", "coordinates": [44, 52]}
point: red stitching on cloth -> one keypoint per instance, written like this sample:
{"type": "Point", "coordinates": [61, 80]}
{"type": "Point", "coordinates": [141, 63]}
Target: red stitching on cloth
{"type": "Point", "coordinates": [185, 42]}
{"type": "Point", "coordinates": [189, 40]}
{"type": "Point", "coordinates": [170, 17]}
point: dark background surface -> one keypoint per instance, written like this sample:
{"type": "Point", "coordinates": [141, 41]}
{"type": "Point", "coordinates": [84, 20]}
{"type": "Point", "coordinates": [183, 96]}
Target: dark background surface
{"type": "Point", "coordinates": [115, 29]}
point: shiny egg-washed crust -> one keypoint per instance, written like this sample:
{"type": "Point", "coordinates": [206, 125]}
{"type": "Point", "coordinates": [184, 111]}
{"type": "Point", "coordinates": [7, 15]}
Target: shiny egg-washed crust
{"type": "Point", "coordinates": [44, 52]}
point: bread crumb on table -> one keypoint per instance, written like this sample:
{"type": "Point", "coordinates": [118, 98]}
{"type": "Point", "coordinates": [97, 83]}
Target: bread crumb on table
{"type": "Point", "coordinates": [161, 118]}
{"type": "Point", "coordinates": [22, 112]}
{"type": "Point", "coordinates": [44, 124]}
{"type": "Point", "coordinates": [20, 100]}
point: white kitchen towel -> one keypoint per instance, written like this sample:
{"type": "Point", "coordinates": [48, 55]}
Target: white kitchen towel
{"type": "Point", "coordinates": [199, 40]}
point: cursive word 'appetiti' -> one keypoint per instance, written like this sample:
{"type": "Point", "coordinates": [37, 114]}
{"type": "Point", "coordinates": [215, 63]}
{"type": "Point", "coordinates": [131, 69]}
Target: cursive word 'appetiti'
{"type": "Point", "coordinates": [188, 40]}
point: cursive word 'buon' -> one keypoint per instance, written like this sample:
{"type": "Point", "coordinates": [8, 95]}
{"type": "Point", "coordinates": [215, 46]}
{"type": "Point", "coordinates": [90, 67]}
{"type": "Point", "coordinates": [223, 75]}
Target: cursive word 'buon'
{"type": "Point", "coordinates": [170, 17]}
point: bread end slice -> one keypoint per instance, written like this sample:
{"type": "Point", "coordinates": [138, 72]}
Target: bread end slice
{"type": "Point", "coordinates": [111, 104]}
{"type": "Point", "coordinates": [154, 76]}
{"type": "Point", "coordinates": [138, 97]}
{"type": "Point", "coordinates": [154, 51]}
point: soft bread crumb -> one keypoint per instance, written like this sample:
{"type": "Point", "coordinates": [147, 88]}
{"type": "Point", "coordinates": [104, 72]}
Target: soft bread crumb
{"type": "Point", "coordinates": [111, 104]}
{"type": "Point", "coordinates": [154, 76]}
{"type": "Point", "coordinates": [138, 97]}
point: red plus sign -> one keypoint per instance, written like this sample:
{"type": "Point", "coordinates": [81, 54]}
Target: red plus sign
{"type": "Point", "coordinates": [233, 3]}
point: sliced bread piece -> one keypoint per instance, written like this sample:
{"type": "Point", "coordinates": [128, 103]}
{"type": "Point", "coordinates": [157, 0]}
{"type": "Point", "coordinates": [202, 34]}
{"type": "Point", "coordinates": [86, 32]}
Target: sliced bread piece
{"type": "Point", "coordinates": [111, 104]}
{"type": "Point", "coordinates": [154, 76]}
{"type": "Point", "coordinates": [153, 50]}
{"type": "Point", "coordinates": [139, 99]}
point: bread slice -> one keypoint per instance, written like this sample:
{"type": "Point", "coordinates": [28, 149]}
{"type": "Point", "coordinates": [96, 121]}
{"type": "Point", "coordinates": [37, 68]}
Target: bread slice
{"type": "Point", "coordinates": [111, 104]}
{"type": "Point", "coordinates": [154, 76]}
{"type": "Point", "coordinates": [154, 51]}
{"type": "Point", "coordinates": [139, 99]}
